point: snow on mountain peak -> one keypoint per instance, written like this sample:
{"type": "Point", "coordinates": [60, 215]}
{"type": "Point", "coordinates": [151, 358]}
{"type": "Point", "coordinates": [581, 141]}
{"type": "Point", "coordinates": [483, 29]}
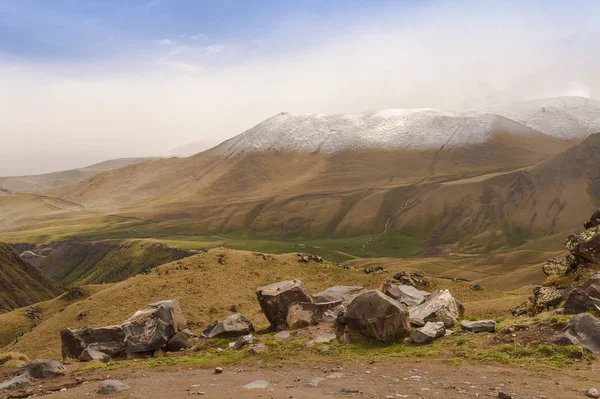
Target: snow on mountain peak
{"type": "Point", "coordinates": [563, 117]}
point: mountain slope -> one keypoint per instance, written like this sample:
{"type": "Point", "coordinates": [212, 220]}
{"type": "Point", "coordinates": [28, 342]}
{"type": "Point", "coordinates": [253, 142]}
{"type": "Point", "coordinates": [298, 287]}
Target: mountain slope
{"type": "Point", "coordinates": [23, 184]}
{"type": "Point", "coordinates": [21, 284]}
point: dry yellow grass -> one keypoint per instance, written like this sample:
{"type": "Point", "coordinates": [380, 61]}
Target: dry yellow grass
{"type": "Point", "coordinates": [207, 290]}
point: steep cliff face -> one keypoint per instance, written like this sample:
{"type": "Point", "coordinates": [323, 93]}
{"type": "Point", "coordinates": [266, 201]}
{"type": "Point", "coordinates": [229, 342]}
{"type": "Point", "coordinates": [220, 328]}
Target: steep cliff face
{"type": "Point", "coordinates": [22, 284]}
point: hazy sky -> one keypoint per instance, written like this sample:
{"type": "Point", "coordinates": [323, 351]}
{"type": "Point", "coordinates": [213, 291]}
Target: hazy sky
{"type": "Point", "coordinates": [82, 81]}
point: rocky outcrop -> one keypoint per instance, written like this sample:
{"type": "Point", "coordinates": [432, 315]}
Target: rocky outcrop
{"type": "Point", "coordinates": [378, 316]}
{"type": "Point", "coordinates": [234, 326]}
{"type": "Point", "coordinates": [275, 300]}
{"type": "Point", "coordinates": [543, 299]}
{"type": "Point", "coordinates": [406, 294]}
{"type": "Point", "coordinates": [303, 314]}
{"type": "Point", "coordinates": [555, 266]}
{"type": "Point", "coordinates": [478, 326]}
{"type": "Point", "coordinates": [584, 330]}
{"type": "Point", "coordinates": [584, 298]}
{"type": "Point", "coordinates": [150, 329]}
{"type": "Point", "coordinates": [441, 306]}
{"type": "Point", "coordinates": [414, 279]}
{"type": "Point", "coordinates": [344, 293]}
{"type": "Point", "coordinates": [428, 333]}
{"type": "Point", "coordinates": [109, 340]}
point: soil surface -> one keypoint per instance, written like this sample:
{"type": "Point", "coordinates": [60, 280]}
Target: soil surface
{"type": "Point", "coordinates": [403, 378]}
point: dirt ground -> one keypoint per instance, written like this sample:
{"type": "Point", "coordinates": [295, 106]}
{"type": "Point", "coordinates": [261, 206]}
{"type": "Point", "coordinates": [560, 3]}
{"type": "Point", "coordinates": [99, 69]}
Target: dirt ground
{"type": "Point", "coordinates": [402, 378]}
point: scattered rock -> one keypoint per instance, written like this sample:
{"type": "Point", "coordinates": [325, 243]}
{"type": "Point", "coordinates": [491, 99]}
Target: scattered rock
{"type": "Point", "coordinates": [315, 381]}
{"type": "Point", "coordinates": [502, 395]}
{"type": "Point", "coordinates": [179, 341]}
{"type": "Point", "coordinates": [321, 339]}
{"type": "Point", "coordinates": [17, 382]}
{"type": "Point", "coordinates": [428, 333]}
{"type": "Point", "coordinates": [476, 287]}
{"type": "Point", "coordinates": [344, 293]}
{"type": "Point", "coordinates": [243, 341]}
{"type": "Point", "coordinates": [593, 393]}
{"type": "Point", "coordinates": [441, 306]}
{"type": "Point", "coordinates": [414, 279]}
{"type": "Point", "coordinates": [258, 384]}
{"type": "Point", "coordinates": [41, 368]}
{"type": "Point", "coordinates": [90, 354]}
{"type": "Point", "coordinates": [584, 330]}
{"type": "Point", "coordinates": [282, 335]}
{"type": "Point", "coordinates": [478, 326]}
{"type": "Point", "coordinates": [111, 386]}
{"type": "Point", "coordinates": [344, 339]}
{"type": "Point", "coordinates": [275, 299]}
{"type": "Point", "coordinates": [109, 340]}
{"type": "Point", "coordinates": [218, 370]}
{"type": "Point", "coordinates": [405, 294]}
{"type": "Point", "coordinates": [234, 326]}
{"type": "Point", "coordinates": [258, 349]}
{"type": "Point", "coordinates": [151, 329]}
{"type": "Point", "coordinates": [379, 316]}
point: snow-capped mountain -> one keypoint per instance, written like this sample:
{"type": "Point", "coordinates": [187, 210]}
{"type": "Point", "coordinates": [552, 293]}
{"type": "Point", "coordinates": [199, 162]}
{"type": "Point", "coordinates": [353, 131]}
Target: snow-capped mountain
{"type": "Point", "coordinates": [562, 117]}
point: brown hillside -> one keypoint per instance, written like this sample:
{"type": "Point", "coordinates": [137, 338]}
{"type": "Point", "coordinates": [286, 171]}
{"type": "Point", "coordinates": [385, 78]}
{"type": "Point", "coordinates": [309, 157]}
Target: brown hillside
{"type": "Point", "coordinates": [21, 284]}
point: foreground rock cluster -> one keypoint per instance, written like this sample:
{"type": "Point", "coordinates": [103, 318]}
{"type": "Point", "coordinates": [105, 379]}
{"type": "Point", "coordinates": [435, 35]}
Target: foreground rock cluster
{"type": "Point", "coordinates": [160, 326]}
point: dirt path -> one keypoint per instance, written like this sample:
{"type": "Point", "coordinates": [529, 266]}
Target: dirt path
{"type": "Point", "coordinates": [403, 378]}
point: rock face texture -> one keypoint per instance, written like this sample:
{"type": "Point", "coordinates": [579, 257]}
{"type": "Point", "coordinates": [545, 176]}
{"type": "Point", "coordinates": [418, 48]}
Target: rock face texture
{"type": "Point", "coordinates": [584, 298]}
{"type": "Point", "coordinates": [234, 326]}
{"type": "Point", "coordinates": [441, 306]}
{"type": "Point", "coordinates": [303, 314]}
{"type": "Point", "coordinates": [478, 326]}
{"type": "Point", "coordinates": [109, 340]}
{"type": "Point", "coordinates": [90, 354]}
{"type": "Point", "coordinates": [406, 294]}
{"type": "Point", "coordinates": [344, 293]}
{"type": "Point", "coordinates": [555, 266]}
{"type": "Point", "coordinates": [583, 330]}
{"type": "Point", "coordinates": [428, 333]}
{"type": "Point", "coordinates": [379, 316]}
{"type": "Point", "coordinates": [151, 329]}
{"type": "Point", "coordinates": [275, 299]}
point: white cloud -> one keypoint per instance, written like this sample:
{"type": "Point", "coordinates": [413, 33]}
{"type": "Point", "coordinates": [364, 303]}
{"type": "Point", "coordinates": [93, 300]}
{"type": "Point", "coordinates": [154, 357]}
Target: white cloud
{"type": "Point", "coordinates": [166, 42]}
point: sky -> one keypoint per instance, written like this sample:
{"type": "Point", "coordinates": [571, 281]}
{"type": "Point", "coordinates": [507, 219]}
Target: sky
{"type": "Point", "coordinates": [82, 81]}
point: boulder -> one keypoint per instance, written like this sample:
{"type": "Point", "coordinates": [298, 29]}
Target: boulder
{"type": "Point", "coordinates": [17, 382]}
{"type": "Point", "coordinates": [441, 306]}
{"type": "Point", "coordinates": [478, 326]}
{"type": "Point", "coordinates": [234, 326]}
{"type": "Point", "coordinates": [151, 329]}
{"type": "Point", "coordinates": [41, 368]}
{"type": "Point", "coordinates": [90, 354]}
{"type": "Point", "coordinates": [594, 220]}
{"type": "Point", "coordinates": [275, 300]}
{"type": "Point", "coordinates": [584, 330]}
{"type": "Point", "coordinates": [111, 386]}
{"type": "Point", "coordinates": [303, 314]}
{"type": "Point", "coordinates": [179, 341]}
{"type": "Point", "coordinates": [585, 246]}
{"type": "Point", "coordinates": [555, 266]}
{"type": "Point", "coordinates": [344, 293]}
{"type": "Point", "coordinates": [109, 340]}
{"type": "Point", "coordinates": [584, 298]}
{"type": "Point", "coordinates": [379, 316]}
{"type": "Point", "coordinates": [428, 333]}
{"type": "Point", "coordinates": [406, 294]}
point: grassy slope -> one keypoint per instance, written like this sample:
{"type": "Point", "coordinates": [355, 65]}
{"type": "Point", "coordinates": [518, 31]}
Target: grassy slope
{"type": "Point", "coordinates": [208, 289]}
{"type": "Point", "coordinates": [21, 284]}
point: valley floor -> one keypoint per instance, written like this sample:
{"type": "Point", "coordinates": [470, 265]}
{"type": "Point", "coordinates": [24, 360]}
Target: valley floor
{"type": "Point", "coordinates": [399, 378]}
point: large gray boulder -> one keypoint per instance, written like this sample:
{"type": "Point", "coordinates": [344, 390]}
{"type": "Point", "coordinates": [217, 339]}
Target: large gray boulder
{"type": "Point", "coordinates": [428, 333]}
{"type": "Point", "coordinates": [41, 368]}
{"type": "Point", "coordinates": [303, 314]}
{"type": "Point", "coordinates": [275, 300]}
{"type": "Point", "coordinates": [406, 294]}
{"type": "Point", "coordinates": [344, 293]}
{"type": "Point", "coordinates": [109, 340]}
{"type": "Point", "coordinates": [17, 382]}
{"type": "Point", "coordinates": [378, 316]}
{"type": "Point", "coordinates": [441, 306]}
{"type": "Point", "coordinates": [478, 326]}
{"type": "Point", "coordinates": [151, 329]}
{"type": "Point", "coordinates": [234, 326]}
{"type": "Point", "coordinates": [584, 330]}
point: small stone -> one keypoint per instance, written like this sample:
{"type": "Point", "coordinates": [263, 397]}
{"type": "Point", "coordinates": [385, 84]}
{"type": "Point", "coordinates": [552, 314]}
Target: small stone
{"type": "Point", "coordinates": [502, 395]}
{"type": "Point", "coordinates": [315, 381]}
{"type": "Point", "coordinates": [321, 339]}
{"type": "Point", "coordinates": [349, 390]}
{"type": "Point", "coordinates": [258, 384]}
{"type": "Point", "coordinates": [593, 393]}
{"type": "Point", "coordinates": [280, 336]}
{"type": "Point", "coordinates": [111, 386]}
{"type": "Point", "coordinates": [218, 370]}
{"type": "Point", "coordinates": [242, 341]}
